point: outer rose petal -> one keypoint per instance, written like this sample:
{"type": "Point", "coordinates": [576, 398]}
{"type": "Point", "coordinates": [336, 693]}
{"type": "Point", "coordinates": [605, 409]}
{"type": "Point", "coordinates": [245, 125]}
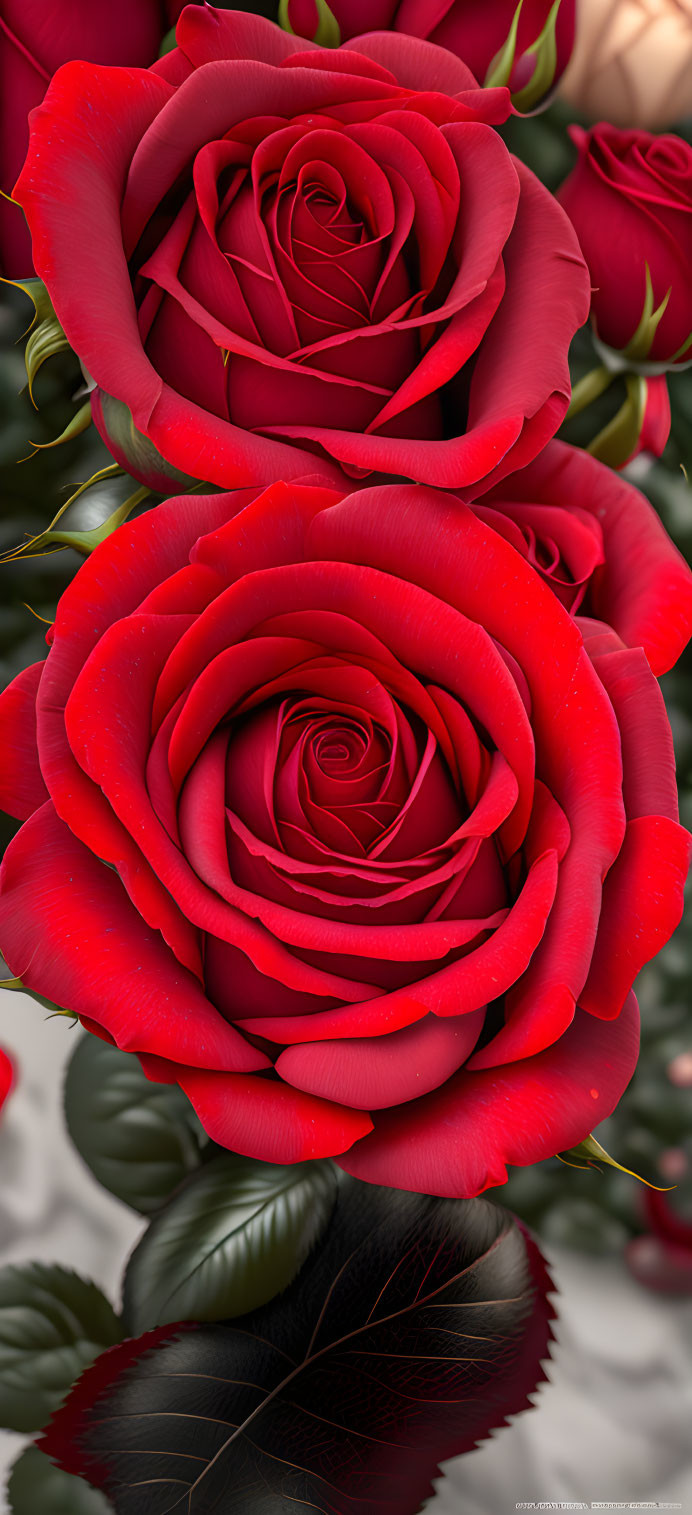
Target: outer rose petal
{"type": "Point", "coordinates": [111, 584]}
{"type": "Point", "coordinates": [22, 789]}
{"type": "Point", "coordinates": [369, 1073]}
{"type": "Point", "coordinates": [75, 127]}
{"type": "Point", "coordinates": [644, 589]}
{"type": "Point", "coordinates": [458, 1141]}
{"type": "Point", "coordinates": [643, 900]}
{"type": "Point", "coordinates": [74, 937]}
{"type": "Point", "coordinates": [36, 40]}
{"type": "Point", "coordinates": [102, 114]}
{"type": "Point", "coordinates": [263, 1118]}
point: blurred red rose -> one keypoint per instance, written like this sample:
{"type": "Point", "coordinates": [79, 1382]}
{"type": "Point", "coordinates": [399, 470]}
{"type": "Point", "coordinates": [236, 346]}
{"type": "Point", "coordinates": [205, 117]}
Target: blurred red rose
{"type": "Point", "coordinates": [475, 32]}
{"type": "Point", "coordinates": [6, 1076]}
{"type": "Point", "coordinates": [35, 39]}
{"type": "Point", "coordinates": [390, 832]}
{"type": "Point", "coordinates": [302, 259]}
{"type": "Point", "coordinates": [630, 201]}
{"type": "Point", "coordinates": [661, 1259]}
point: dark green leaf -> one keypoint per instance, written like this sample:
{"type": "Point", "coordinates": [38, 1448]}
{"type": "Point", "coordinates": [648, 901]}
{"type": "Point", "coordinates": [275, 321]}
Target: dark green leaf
{"type": "Point", "coordinates": [52, 1323]}
{"type": "Point", "coordinates": [139, 1139]}
{"type": "Point", "coordinates": [416, 1327]}
{"type": "Point", "coordinates": [37, 1487]}
{"type": "Point", "coordinates": [232, 1238]}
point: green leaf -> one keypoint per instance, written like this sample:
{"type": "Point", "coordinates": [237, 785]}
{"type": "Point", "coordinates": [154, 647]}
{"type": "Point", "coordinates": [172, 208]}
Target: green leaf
{"type": "Point", "coordinates": [37, 1487]}
{"type": "Point", "coordinates": [414, 1328]}
{"type": "Point", "coordinates": [52, 1324]}
{"type": "Point", "coordinates": [139, 1139]}
{"type": "Point", "coordinates": [228, 1242]}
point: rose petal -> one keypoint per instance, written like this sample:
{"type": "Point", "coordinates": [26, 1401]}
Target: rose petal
{"type": "Point", "coordinates": [369, 1073]}
{"type": "Point", "coordinates": [71, 933]}
{"type": "Point", "coordinates": [22, 788]}
{"type": "Point", "coordinates": [458, 1141]}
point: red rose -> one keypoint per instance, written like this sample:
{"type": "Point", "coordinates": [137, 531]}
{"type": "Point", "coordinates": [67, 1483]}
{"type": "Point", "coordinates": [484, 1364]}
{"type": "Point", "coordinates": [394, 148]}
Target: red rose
{"type": "Point", "coordinates": [389, 833]}
{"type": "Point", "coordinates": [630, 200]}
{"type": "Point", "coordinates": [34, 40]}
{"type": "Point", "coordinates": [475, 32]}
{"type": "Point", "coordinates": [6, 1075]}
{"type": "Point", "coordinates": [601, 547]}
{"type": "Point", "coordinates": [331, 257]}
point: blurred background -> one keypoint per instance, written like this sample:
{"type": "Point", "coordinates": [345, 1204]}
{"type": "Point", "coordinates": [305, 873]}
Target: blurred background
{"type": "Point", "coordinates": [614, 1418]}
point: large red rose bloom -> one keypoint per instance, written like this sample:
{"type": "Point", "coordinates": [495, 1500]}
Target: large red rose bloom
{"type": "Point", "coordinates": [340, 820]}
{"type": "Point", "coordinates": [273, 261]}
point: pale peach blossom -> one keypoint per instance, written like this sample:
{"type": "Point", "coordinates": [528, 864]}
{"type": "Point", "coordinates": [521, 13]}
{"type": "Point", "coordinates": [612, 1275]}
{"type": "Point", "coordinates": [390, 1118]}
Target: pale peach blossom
{"type": "Point", "coordinates": [632, 62]}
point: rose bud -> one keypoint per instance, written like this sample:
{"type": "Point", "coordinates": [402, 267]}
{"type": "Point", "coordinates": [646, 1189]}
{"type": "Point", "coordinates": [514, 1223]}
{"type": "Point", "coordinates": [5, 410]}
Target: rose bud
{"type": "Point", "coordinates": [34, 41]}
{"type": "Point", "coordinates": [630, 201]}
{"type": "Point", "coordinates": [632, 62]}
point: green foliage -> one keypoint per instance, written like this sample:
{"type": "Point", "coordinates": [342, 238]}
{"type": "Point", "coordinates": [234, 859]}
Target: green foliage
{"type": "Point", "coordinates": [52, 1324]}
{"type": "Point", "coordinates": [139, 1139]}
{"type": "Point", "coordinates": [232, 1238]}
{"type": "Point", "coordinates": [415, 1327]}
{"type": "Point", "coordinates": [37, 1487]}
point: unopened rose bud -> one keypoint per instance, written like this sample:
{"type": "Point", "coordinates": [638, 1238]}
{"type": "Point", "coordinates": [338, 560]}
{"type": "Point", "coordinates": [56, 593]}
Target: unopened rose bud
{"type": "Point", "coordinates": [629, 198]}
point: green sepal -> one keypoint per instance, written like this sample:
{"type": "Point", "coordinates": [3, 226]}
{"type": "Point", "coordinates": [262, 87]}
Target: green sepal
{"type": "Point", "coordinates": [86, 541]}
{"type": "Point", "coordinates": [37, 1487]}
{"type": "Point", "coordinates": [640, 344]}
{"type": "Point", "coordinates": [80, 420]}
{"type": "Point", "coordinates": [45, 337]}
{"type": "Point", "coordinates": [52, 1325]}
{"type": "Point", "coordinates": [328, 31]}
{"type": "Point", "coordinates": [542, 80]}
{"type": "Point", "coordinates": [588, 389]}
{"type": "Point", "coordinates": [500, 67]}
{"type": "Point", "coordinates": [234, 1236]}
{"type": "Point", "coordinates": [589, 1153]}
{"type": "Point", "coordinates": [56, 537]}
{"type": "Point", "coordinates": [618, 440]}
{"type": "Point", "coordinates": [141, 456]}
{"type": "Point", "coordinates": [685, 347]}
{"type": "Point", "coordinates": [22, 988]}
